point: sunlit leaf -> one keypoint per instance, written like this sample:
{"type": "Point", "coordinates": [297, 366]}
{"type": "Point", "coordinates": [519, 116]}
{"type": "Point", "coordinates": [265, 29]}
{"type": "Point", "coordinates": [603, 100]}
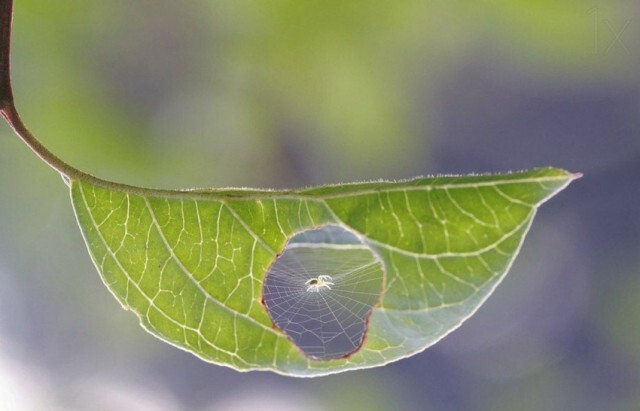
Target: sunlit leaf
{"type": "Point", "coordinates": [234, 276]}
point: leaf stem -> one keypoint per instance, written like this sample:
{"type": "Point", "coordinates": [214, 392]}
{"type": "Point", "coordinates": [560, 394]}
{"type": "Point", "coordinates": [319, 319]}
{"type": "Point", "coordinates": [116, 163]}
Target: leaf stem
{"type": "Point", "coordinates": [6, 15]}
{"type": "Point", "coordinates": [7, 105]}
{"type": "Point", "coordinates": [10, 113]}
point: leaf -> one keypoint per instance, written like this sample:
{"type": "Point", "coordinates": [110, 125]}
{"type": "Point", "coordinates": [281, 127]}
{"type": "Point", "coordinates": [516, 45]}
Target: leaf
{"type": "Point", "coordinates": [423, 254]}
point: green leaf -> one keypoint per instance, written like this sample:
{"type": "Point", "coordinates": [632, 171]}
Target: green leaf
{"type": "Point", "coordinates": [228, 274]}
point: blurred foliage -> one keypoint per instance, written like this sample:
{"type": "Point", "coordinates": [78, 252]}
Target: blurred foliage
{"type": "Point", "coordinates": [269, 93]}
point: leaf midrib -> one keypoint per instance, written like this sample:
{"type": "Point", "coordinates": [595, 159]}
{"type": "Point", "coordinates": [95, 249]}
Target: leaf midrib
{"type": "Point", "coordinates": [236, 194]}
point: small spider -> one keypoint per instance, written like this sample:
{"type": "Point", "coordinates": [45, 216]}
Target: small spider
{"type": "Point", "coordinates": [321, 282]}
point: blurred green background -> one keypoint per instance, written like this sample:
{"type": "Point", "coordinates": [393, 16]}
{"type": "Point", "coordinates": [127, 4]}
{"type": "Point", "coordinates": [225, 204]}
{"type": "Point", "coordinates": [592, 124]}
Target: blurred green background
{"type": "Point", "coordinates": [285, 93]}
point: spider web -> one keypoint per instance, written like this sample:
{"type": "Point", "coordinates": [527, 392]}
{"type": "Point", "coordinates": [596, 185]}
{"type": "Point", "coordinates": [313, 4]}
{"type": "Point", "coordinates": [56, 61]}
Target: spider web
{"type": "Point", "coordinates": [331, 322]}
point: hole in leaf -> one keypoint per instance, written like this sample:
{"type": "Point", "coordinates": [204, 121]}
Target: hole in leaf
{"type": "Point", "coordinates": [321, 289]}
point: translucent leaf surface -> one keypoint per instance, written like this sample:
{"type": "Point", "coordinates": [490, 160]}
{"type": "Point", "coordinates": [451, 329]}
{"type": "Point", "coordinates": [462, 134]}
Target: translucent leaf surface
{"type": "Point", "coordinates": [315, 281]}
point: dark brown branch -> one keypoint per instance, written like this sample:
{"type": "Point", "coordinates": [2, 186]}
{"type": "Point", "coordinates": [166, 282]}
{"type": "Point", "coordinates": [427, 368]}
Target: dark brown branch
{"type": "Point", "coordinates": [6, 15]}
